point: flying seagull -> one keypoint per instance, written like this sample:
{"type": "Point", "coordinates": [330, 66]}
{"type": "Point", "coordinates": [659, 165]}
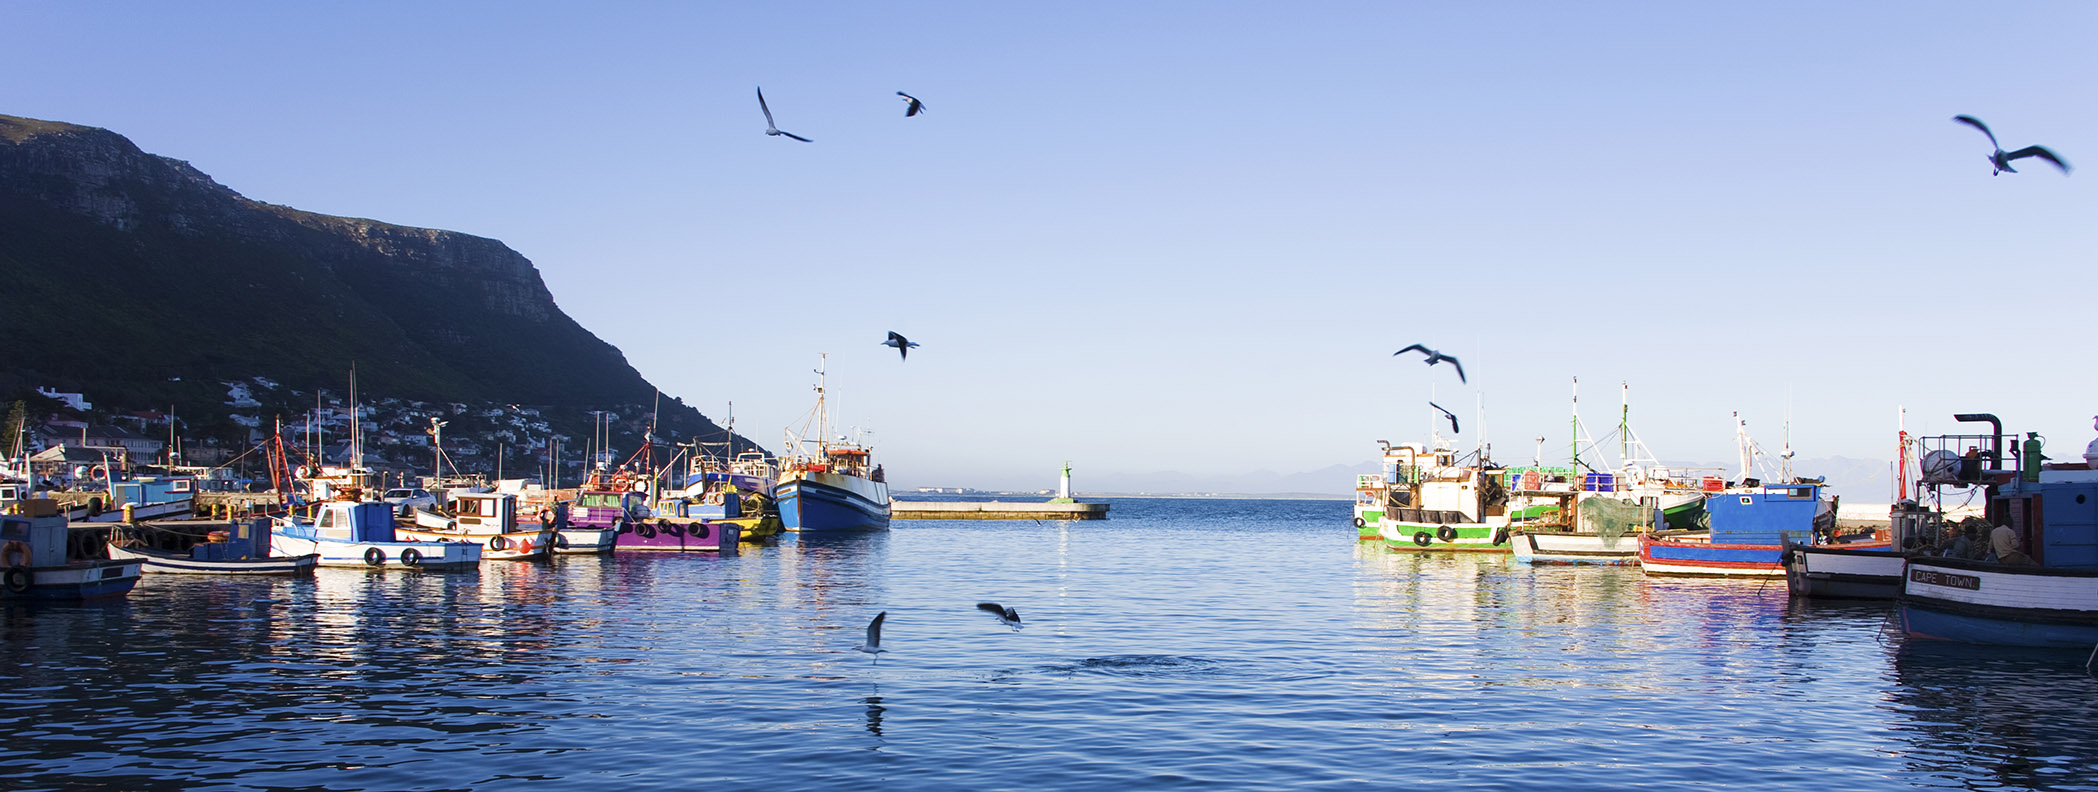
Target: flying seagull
{"type": "Point", "coordinates": [769, 128]}
{"type": "Point", "coordinates": [873, 645]}
{"type": "Point", "coordinates": [1446, 414]}
{"type": "Point", "coordinates": [902, 345]}
{"type": "Point", "coordinates": [2002, 160]}
{"type": "Point", "coordinates": [915, 106]}
{"type": "Point", "coordinates": [1434, 357]}
{"type": "Point", "coordinates": [1007, 616]}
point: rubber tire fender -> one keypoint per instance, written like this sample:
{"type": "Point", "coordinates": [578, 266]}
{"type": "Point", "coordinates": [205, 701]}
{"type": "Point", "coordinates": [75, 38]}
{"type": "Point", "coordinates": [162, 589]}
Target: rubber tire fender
{"type": "Point", "coordinates": [410, 557]}
{"type": "Point", "coordinates": [498, 542]}
{"type": "Point", "coordinates": [1359, 523]}
{"type": "Point", "coordinates": [1500, 536]}
{"type": "Point", "coordinates": [1422, 538]}
{"type": "Point", "coordinates": [17, 579]}
{"type": "Point", "coordinates": [374, 557]}
{"type": "Point", "coordinates": [1445, 533]}
{"type": "Point", "coordinates": [700, 531]}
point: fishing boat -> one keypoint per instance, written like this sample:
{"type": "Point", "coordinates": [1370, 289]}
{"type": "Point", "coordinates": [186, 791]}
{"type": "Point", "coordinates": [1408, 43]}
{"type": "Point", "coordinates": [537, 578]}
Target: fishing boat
{"type": "Point", "coordinates": [39, 560]}
{"type": "Point", "coordinates": [1591, 512]}
{"type": "Point", "coordinates": [198, 547]}
{"type": "Point", "coordinates": [2042, 590]}
{"type": "Point", "coordinates": [347, 533]}
{"type": "Point", "coordinates": [1916, 527]}
{"type": "Point", "coordinates": [1751, 530]}
{"type": "Point", "coordinates": [1429, 499]}
{"type": "Point", "coordinates": [829, 485]}
{"type": "Point", "coordinates": [488, 519]}
{"type": "Point", "coordinates": [720, 505]}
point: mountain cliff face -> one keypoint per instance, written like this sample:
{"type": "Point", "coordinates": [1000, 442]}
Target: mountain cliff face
{"type": "Point", "coordinates": [139, 278]}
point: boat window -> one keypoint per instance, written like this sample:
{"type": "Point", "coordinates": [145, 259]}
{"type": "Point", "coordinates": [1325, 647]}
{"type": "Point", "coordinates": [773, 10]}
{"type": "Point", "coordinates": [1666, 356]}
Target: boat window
{"type": "Point", "coordinates": [327, 519]}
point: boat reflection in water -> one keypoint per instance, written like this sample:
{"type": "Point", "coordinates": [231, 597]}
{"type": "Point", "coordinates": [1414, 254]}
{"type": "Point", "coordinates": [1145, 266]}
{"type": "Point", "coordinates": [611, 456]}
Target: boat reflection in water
{"type": "Point", "coordinates": [1984, 716]}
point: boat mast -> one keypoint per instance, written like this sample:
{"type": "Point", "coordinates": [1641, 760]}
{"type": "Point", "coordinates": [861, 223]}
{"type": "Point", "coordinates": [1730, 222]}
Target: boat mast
{"type": "Point", "coordinates": [1741, 442]}
{"type": "Point", "coordinates": [822, 412]}
{"type": "Point", "coordinates": [1901, 454]}
{"type": "Point", "coordinates": [1577, 425]}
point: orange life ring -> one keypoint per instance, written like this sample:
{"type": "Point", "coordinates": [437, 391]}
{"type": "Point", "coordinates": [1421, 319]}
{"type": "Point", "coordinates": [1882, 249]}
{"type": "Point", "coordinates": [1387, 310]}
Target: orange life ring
{"type": "Point", "coordinates": [14, 554]}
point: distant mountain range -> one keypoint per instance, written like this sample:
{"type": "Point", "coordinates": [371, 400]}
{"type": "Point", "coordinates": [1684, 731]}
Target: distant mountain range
{"type": "Point", "coordinates": [1856, 480]}
{"type": "Point", "coordinates": [139, 280]}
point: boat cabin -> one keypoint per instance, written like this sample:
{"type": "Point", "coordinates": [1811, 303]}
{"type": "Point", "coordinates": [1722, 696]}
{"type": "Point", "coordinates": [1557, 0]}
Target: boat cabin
{"type": "Point", "coordinates": [1766, 516]}
{"type": "Point", "coordinates": [352, 521]}
{"type": "Point", "coordinates": [484, 512]}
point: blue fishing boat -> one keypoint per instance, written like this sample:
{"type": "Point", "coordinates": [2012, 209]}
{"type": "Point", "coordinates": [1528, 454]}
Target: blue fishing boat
{"type": "Point", "coordinates": [829, 485]}
{"type": "Point", "coordinates": [2039, 585]}
{"type": "Point", "coordinates": [1751, 528]}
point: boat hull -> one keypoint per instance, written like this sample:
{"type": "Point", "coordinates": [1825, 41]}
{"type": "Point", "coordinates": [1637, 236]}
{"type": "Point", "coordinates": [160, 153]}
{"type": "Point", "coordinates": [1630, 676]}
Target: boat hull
{"type": "Point", "coordinates": [1980, 603]}
{"type": "Point", "coordinates": [1842, 573]}
{"type": "Point", "coordinates": [585, 541]}
{"type": "Point", "coordinates": [160, 562]}
{"type": "Point", "coordinates": [681, 536]}
{"type": "Point", "coordinates": [813, 501]}
{"type": "Point", "coordinates": [388, 555]}
{"type": "Point", "coordinates": [1686, 557]}
{"type": "Point", "coordinates": [531, 545]}
{"type": "Point", "coordinates": [1552, 547]}
{"type": "Point", "coordinates": [75, 581]}
{"type": "Point", "coordinates": [1445, 537]}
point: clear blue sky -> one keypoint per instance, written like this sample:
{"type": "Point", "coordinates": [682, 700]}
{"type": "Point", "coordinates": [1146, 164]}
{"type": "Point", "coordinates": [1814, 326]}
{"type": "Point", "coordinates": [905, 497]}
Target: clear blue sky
{"type": "Point", "coordinates": [1188, 236]}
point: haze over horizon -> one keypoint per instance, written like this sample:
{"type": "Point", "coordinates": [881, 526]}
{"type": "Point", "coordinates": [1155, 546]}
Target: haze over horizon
{"type": "Point", "coordinates": [1188, 237]}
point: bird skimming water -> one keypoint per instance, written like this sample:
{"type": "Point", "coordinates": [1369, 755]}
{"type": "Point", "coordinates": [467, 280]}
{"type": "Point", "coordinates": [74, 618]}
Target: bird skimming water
{"type": "Point", "coordinates": [769, 128]}
{"type": "Point", "coordinates": [873, 644]}
{"type": "Point", "coordinates": [2001, 160]}
{"type": "Point", "coordinates": [902, 345]}
{"type": "Point", "coordinates": [1434, 357]}
{"type": "Point", "coordinates": [914, 107]}
{"type": "Point", "coordinates": [1009, 617]}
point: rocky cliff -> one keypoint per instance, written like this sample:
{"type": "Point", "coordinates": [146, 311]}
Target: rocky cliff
{"type": "Point", "coordinates": [139, 278]}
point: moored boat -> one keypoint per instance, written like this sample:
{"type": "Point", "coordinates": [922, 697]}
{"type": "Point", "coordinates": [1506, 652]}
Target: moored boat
{"type": "Point", "coordinates": [829, 485]}
{"type": "Point", "coordinates": [488, 519]}
{"type": "Point", "coordinates": [38, 562]}
{"type": "Point", "coordinates": [1751, 528]}
{"type": "Point", "coordinates": [2039, 585]}
{"type": "Point", "coordinates": [361, 534]}
{"type": "Point", "coordinates": [1429, 499]}
{"type": "Point", "coordinates": [229, 548]}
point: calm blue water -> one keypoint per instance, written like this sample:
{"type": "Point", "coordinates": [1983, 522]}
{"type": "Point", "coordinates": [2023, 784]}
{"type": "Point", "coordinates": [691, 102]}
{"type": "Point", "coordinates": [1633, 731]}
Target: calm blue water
{"type": "Point", "coordinates": [1179, 644]}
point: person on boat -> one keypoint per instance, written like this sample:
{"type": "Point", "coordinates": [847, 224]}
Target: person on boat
{"type": "Point", "coordinates": [2005, 547]}
{"type": "Point", "coordinates": [1963, 544]}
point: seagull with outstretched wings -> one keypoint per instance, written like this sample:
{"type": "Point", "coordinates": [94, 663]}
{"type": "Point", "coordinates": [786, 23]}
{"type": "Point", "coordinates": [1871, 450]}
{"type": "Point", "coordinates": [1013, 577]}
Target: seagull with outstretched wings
{"type": "Point", "coordinates": [1434, 357]}
{"type": "Point", "coordinates": [2000, 159]}
{"type": "Point", "coordinates": [770, 129]}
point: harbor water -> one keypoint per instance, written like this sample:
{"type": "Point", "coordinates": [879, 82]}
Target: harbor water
{"type": "Point", "coordinates": [1219, 644]}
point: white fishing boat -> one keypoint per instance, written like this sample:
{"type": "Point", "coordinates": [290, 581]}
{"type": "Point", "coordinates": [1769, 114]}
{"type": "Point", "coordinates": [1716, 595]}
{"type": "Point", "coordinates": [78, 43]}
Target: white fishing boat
{"type": "Point", "coordinates": [488, 519]}
{"type": "Point", "coordinates": [361, 534]}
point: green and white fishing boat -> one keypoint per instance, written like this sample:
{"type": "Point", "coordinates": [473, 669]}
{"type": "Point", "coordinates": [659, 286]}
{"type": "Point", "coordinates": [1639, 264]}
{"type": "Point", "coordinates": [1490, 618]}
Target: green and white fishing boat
{"type": "Point", "coordinates": [1431, 499]}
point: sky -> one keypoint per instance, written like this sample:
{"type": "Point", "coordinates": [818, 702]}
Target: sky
{"type": "Point", "coordinates": [1188, 236]}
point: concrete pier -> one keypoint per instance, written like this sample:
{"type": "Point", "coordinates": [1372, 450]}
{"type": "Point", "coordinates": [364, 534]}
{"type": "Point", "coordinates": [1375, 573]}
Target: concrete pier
{"type": "Point", "coordinates": [995, 510]}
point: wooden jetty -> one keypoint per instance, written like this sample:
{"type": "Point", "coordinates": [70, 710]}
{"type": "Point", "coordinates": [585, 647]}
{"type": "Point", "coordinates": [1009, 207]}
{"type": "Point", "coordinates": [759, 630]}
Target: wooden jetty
{"type": "Point", "coordinates": [995, 510]}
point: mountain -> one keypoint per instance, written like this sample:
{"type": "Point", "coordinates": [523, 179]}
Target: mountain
{"type": "Point", "coordinates": [140, 280]}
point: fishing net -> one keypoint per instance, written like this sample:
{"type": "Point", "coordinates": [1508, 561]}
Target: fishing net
{"type": "Point", "coordinates": [1611, 518]}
